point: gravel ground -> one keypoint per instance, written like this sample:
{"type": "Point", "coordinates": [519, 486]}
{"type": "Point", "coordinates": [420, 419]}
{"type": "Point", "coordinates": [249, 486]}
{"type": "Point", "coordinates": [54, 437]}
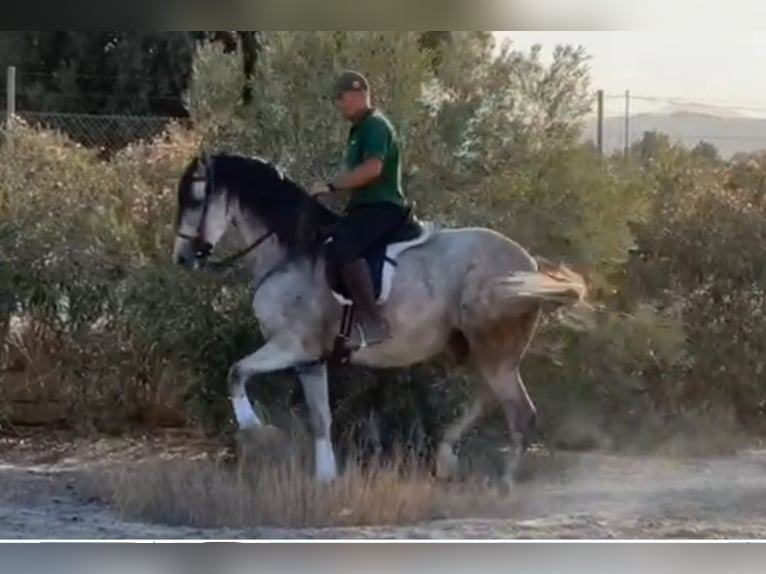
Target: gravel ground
{"type": "Point", "coordinates": [588, 496]}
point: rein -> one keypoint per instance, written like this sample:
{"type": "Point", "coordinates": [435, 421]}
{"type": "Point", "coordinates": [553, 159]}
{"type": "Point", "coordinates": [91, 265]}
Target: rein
{"type": "Point", "coordinates": [227, 261]}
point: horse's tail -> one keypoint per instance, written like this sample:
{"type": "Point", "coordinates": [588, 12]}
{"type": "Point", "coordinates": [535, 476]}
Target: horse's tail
{"type": "Point", "coordinates": [558, 286]}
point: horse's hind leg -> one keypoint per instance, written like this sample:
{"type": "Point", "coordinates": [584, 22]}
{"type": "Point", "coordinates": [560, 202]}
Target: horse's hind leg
{"type": "Point", "coordinates": [519, 411]}
{"type": "Point", "coordinates": [446, 459]}
{"type": "Point", "coordinates": [498, 354]}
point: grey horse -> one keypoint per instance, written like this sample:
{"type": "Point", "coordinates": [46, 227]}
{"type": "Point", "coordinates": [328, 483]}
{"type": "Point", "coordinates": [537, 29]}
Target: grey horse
{"type": "Point", "coordinates": [468, 291]}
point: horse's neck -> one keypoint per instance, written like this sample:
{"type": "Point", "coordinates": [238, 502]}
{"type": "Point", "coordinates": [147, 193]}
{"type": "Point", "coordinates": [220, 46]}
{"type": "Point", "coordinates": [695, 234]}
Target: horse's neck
{"type": "Point", "coordinates": [266, 255]}
{"type": "Point", "coordinates": [271, 255]}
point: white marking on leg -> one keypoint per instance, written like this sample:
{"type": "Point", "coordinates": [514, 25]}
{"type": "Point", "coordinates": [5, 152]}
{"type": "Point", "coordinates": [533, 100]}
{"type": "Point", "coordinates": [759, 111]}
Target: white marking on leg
{"type": "Point", "coordinates": [326, 467]}
{"type": "Point", "coordinates": [272, 356]}
{"type": "Point", "coordinates": [314, 381]}
{"type": "Point", "coordinates": [243, 410]}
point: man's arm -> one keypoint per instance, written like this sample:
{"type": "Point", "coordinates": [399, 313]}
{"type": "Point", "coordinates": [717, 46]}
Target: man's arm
{"type": "Point", "coordinates": [375, 143]}
{"type": "Point", "coordinates": [367, 171]}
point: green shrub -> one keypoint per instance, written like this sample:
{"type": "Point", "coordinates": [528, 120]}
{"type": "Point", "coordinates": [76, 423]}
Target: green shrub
{"type": "Point", "coordinates": [490, 138]}
{"type": "Point", "coordinates": [700, 258]}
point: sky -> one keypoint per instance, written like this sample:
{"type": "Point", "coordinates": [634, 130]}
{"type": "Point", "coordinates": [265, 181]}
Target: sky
{"type": "Point", "coordinates": [718, 68]}
{"type": "Point", "coordinates": [665, 15]}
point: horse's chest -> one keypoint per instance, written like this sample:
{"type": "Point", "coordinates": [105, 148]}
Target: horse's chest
{"type": "Point", "coordinates": [277, 310]}
{"type": "Point", "coordinates": [270, 313]}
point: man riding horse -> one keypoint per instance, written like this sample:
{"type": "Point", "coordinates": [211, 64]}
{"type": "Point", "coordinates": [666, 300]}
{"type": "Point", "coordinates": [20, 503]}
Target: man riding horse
{"type": "Point", "coordinates": [377, 205]}
{"type": "Point", "coordinates": [470, 289]}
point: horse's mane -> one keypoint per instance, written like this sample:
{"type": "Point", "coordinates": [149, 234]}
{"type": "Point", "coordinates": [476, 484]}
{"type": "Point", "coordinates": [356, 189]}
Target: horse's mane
{"type": "Point", "coordinates": [295, 217]}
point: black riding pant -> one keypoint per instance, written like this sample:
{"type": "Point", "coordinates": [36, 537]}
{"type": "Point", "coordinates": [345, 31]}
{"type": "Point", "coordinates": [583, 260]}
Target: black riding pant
{"type": "Point", "coordinates": [363, 227]}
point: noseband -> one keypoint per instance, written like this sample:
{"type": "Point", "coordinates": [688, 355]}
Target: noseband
{"type": "Point", "coordinates": [202, 247]}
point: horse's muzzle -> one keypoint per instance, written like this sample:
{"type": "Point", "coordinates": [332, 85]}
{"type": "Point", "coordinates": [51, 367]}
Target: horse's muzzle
{"type": "Point", "coordinates": [194, 256]}
{"type": "Point", "coordinates": [202, 249]}
{"type": "Point", "coordinates": [195, 262]}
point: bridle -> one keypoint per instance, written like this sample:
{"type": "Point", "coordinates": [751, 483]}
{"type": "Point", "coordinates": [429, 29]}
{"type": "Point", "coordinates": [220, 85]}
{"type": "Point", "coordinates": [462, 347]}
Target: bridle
{"type": "Point", "coordinates": [203, 248]}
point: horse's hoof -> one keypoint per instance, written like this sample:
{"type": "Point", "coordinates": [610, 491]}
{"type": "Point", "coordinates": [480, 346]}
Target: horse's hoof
{"type": "Point", "coordinates": [446, 463]}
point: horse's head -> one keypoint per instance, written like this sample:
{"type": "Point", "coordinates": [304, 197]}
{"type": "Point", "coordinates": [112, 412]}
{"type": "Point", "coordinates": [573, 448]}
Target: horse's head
{"type": "Point", "coordinates": [252, 193]}
{"type": "Point", "coordinates": [202, 213]}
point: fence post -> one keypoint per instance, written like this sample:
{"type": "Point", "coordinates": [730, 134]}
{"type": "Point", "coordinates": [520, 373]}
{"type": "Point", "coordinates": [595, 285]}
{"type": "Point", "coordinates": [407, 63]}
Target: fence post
{"type": "Point", "coordinates": [10, 99]}
{"type": "Point", "coordinates": [627, 123]}
{"type": "Point", "coordinates": [600, 122]}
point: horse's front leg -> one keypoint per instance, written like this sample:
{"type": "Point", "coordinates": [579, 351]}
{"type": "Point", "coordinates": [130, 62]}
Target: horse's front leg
{"type": "Point", "coordinates": [314, 380]}
{"type": "Point", "coordinates": [276, 355]}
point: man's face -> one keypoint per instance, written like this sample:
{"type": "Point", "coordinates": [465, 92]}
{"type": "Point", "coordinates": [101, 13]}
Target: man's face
{"type": "Point", "coordinates": [351, 103]}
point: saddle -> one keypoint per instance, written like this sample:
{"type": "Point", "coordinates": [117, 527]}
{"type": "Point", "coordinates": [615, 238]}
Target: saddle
{"type": "Point", "coordinates": [381, 258]}
{"type": "Point", "coordinates": [382, 262]}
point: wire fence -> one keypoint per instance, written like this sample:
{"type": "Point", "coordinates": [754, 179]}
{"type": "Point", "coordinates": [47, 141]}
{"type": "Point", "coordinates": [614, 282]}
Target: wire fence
{"type": "Point", "coordinates": [731, 133]}
{"type": "Point", "coordinates": [105, 132]}
{"type": "Point", "coordinates": [732, 126]}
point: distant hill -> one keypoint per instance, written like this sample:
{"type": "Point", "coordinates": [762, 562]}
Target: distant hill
{"type": "Point", "coordinates": [730, 134]}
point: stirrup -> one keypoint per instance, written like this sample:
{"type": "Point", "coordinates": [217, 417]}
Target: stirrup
{"type": "Point", "coordinates": [364, 343]}
{"type": "Point", "coordinates": [354, 346]}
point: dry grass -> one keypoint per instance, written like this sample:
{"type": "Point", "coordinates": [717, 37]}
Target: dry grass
{"type": "Point", "coordinates": [39, 386]}
{"type": "Point", "coordinates": [275, 491]}
{"type": "Point", "coordinates": [29, 374]}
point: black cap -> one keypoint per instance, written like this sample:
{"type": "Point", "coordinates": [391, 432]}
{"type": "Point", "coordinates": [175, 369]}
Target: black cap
{"type": "Point", "coordinates": [347, 81]}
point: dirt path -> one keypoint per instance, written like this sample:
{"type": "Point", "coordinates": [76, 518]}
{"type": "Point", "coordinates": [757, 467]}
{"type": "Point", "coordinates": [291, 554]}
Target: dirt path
{"type": "Point", "coordinates": [587, 496]}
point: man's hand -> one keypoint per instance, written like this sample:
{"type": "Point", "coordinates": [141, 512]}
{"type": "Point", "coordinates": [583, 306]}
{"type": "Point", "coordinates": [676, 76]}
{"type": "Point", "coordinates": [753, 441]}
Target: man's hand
{"type": "Point", "coordinates": [320, 189]}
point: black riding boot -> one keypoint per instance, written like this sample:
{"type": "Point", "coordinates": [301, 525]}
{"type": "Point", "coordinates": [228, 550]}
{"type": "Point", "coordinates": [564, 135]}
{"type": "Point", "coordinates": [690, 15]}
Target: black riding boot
{"type": "Point", "coordinates": [356, 277]}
